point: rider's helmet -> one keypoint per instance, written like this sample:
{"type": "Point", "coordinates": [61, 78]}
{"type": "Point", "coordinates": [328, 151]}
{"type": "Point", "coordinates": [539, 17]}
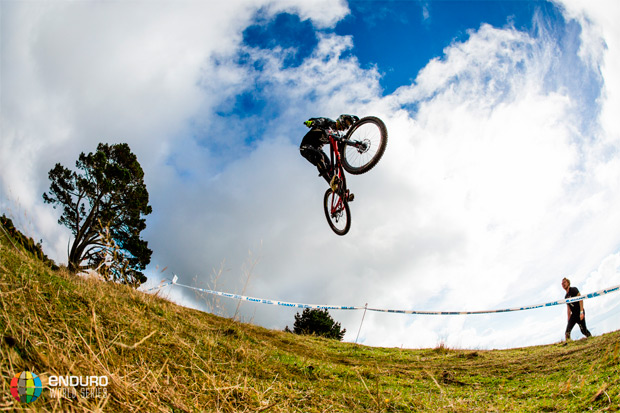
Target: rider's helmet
{"type": "Point", "coordinates": [344, 122]}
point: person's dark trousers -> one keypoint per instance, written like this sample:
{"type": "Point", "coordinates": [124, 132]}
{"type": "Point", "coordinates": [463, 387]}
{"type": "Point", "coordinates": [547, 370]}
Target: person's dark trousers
{"type": "Point", "coordinates": [575, 319]}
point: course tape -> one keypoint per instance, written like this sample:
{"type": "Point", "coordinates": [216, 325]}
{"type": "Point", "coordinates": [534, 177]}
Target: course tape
{"type": "Point", "coordinates": [161, 285]}
{"type": "Point", "coordinates": [418, 312]}
{"type": "Point", "coordinates": [506, 310]}
{"type": "Point", "coordinates": [265, 301]}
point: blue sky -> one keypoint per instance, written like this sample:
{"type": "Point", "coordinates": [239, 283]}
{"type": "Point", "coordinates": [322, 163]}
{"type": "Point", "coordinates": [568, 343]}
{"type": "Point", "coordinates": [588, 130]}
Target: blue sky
{"type": "Point", "coordinates": [499, 179]}
{"type": "Point", "coordinates": [400, 37]}
{"type": "Point", "coordinates": [397, 39]}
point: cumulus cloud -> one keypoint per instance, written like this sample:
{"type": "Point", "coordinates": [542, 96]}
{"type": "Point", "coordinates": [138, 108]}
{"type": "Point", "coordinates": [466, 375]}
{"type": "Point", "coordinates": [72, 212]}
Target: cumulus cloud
{"type": "Point", "coordinates": [501, 158]}
{"type": "Point", "coordinates": [75, 74]}
{"type": "Point", "coordinates": [483, 183]}
{"type": "Point", "coordinates": [495, 183]}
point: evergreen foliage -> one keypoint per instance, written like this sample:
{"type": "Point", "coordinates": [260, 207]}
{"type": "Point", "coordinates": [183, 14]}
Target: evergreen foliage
{"type": "Point", "coordinates": [317, 322]}
{"type": "Point", "coordinates": [27, 242]}
{"type": "Point", "coordinates": [104, 205]}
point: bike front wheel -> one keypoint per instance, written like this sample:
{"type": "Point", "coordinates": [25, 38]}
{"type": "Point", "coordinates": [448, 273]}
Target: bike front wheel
{"type": "Point", "coordinates": [365, 144]}
{"type": "Point", "coordinates": [337, 212]}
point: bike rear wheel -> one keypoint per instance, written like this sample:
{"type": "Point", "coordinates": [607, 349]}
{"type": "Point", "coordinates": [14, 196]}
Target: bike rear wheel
{"type": "Point", "coordinates": [337, 212]}
{"type": "Point", "coordinates": [365, 144]}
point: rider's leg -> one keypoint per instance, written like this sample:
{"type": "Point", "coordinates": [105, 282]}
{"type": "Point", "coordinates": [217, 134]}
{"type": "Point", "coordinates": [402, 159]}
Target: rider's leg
{"type": "Point", "coordinates": [324, 166]}
{"type": "Point", "coordinates": [319, 159]}
{"type": "Point", "coordinates": [310, 149]}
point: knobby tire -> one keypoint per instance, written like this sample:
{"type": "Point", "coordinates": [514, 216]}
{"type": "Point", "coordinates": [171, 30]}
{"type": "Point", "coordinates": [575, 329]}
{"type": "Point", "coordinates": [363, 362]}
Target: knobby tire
{"type": "Point", "coordinates": [340, 222]}
{"type": "Point", "coordinates": [373, 132]}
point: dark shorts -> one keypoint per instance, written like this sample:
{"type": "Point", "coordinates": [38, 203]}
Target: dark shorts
{"type": "Point", "coordinates": [310, 148]}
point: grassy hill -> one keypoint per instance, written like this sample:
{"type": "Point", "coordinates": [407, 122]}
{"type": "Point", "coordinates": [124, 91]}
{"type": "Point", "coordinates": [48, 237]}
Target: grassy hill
{"type": "Point", "coordinates": [159, 356]}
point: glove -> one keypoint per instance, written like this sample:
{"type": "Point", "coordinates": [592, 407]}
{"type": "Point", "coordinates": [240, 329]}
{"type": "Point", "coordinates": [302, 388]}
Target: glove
{"type": "Point", "coordinates": [309, 123]}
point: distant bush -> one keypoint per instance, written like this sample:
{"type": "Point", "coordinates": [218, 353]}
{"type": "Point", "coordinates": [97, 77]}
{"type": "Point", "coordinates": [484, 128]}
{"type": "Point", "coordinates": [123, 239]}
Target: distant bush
{"type": "Point", "coordinates": [26, 242]}
{"type": "Point", "coordinates": [317, 322]}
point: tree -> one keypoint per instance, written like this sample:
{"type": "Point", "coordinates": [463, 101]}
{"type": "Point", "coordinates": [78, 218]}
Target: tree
{"type": "Point", "coordinates": [318, 322]}
{"type": "Point", "coordinates": [103, 205]}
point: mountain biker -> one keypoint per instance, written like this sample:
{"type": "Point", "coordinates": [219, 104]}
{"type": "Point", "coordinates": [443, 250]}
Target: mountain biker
{"type": "Point", "coordinates": [312, 142]}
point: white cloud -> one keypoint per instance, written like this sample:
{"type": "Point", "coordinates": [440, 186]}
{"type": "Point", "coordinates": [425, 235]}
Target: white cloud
{"type": "Point", "coordinates": [469, 210]}
{"type": "Point", "coordinates": [490, 190]}
{"type": "Point", "coordinates": [75, 74]}
{"type": "Point", "coordinates": [499, 167]}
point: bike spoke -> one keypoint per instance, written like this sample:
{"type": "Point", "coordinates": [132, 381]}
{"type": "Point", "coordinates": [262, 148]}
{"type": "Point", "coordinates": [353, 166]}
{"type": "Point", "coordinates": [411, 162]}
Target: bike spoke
{"type": "Point", "coordinates": [369, 137]}
{"type": "Point", "coordinates": [365, 145]}
{"type": "Point", "coordinates": [337, 213]}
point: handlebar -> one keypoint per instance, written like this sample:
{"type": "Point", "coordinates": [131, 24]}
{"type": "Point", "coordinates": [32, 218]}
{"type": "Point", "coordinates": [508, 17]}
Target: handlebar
{"type": "Point", "coordinates": [339, 137]}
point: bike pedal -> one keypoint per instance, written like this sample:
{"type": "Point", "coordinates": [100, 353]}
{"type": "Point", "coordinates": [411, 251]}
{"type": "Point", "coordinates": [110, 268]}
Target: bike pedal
{"type": "Point", "coordinates": [351, 197]}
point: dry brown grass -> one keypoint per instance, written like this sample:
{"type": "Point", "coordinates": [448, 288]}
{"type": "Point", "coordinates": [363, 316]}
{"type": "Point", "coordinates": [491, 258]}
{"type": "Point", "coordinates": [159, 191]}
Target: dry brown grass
{"type": "Point", "coordinates": [160, 357]}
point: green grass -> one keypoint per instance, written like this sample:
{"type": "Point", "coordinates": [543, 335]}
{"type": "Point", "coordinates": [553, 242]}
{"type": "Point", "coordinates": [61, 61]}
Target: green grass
{"type": "Point", "coordinates": [159, 356]}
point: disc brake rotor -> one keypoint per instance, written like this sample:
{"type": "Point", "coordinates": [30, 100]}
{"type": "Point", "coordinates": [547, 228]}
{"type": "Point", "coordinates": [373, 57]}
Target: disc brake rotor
{"type": "Point", "coordinates": [364, 147]}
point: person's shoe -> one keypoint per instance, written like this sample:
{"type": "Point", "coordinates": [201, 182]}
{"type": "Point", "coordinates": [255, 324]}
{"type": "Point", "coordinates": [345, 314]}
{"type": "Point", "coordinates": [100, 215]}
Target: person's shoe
{"type": "Point", "coordinates": [334, 183]}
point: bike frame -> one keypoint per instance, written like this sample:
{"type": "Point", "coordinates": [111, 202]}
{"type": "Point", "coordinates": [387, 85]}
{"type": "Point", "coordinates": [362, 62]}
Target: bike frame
{"type": "Point", "coordinates": [356, 160]}
{"type": "Point", "coordinates": [335, 141]}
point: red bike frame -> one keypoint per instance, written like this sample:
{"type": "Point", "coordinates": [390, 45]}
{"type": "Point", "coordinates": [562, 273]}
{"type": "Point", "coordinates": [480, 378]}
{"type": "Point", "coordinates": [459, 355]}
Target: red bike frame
{"type": "Point", "coordinates": [335, 141]}
{"type": "Point", "coordinates": [368, 145]}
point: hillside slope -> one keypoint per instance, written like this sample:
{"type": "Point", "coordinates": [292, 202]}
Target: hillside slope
{"type": "Point", "coordinates": [158, 356]}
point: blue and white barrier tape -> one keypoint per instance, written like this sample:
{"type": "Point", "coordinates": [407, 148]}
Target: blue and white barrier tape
{"type": "Point", "coordinates": [263, 300]}
{"type": "Point", "coordinates": [160, 286]}
{"type": "Point", "coordinates": [505, 310]}
{"type": "Point", "coordinates": [418, 312]}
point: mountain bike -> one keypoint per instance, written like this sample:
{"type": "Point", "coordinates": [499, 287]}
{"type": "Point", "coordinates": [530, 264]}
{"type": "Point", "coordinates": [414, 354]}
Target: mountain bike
{"type": "Point", "coordinates": [356, 151]}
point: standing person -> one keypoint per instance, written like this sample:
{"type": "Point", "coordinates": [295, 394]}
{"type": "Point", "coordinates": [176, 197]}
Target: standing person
{"type": "Point", "coordinates": [576, 315]}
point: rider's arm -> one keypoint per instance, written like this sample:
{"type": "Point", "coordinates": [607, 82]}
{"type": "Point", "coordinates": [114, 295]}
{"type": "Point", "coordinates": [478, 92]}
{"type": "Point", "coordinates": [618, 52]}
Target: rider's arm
{"type": "Point", "coordinates": [320, 123]}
